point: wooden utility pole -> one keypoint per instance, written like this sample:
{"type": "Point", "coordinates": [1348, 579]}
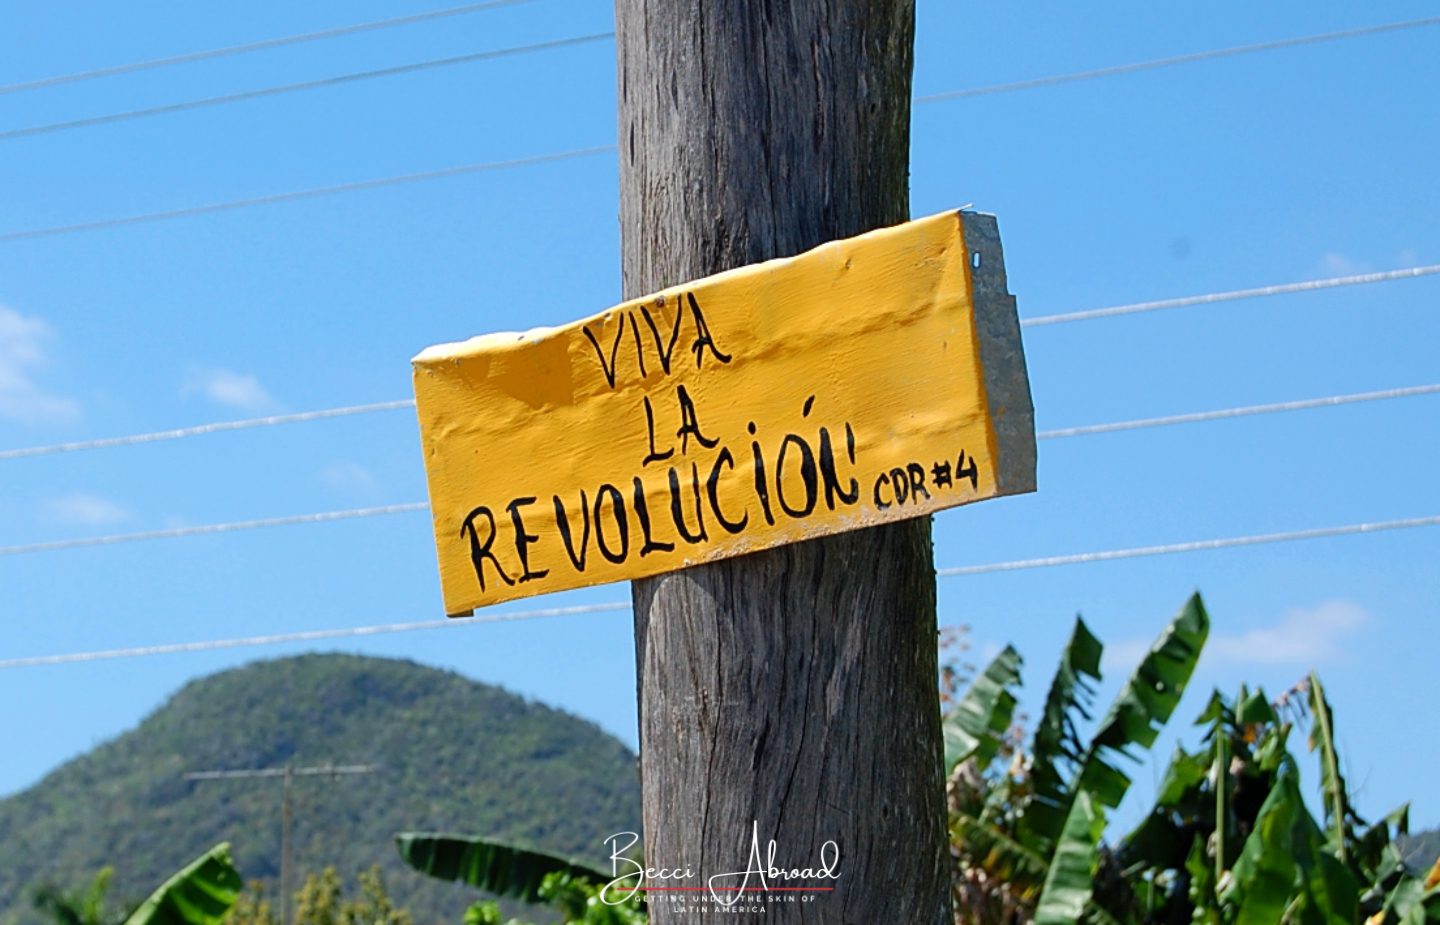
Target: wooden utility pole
{"type": "Point", "coordinates": [793, 689]}
{"type": "Point", "coordinates": [287, 777]}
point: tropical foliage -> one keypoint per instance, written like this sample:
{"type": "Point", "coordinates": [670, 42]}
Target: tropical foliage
{"type": "Point", "coordinates": [88, 906]}
{"type": "Point", "coordinates": [322, 901]}
{"type": "Point", "coordinates": [201, 893]}
{"type": "Point", "coordinates": [1229, 840]}
{"type": "Point", "coordinates": [254, 906]}
{"type": "Point", "coordinates": [570, 887]}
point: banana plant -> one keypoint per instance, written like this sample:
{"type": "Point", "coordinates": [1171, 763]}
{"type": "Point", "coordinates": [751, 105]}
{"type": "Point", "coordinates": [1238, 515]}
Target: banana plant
{"type": "Point", "coordinates": [90, 906]}
{"type": "Point", "coordinates": [200, 894]}
{"type": "Point", "coordinates": [1256, 853]}
{"type": "Point", "coordinates": [1229, 840]}
{"type": "Point", "coordinates": [974, 730]}
{"type": "Point", "coordinates": [1033, 839]}
{"type": "Point", "coordinates": [531, 876]}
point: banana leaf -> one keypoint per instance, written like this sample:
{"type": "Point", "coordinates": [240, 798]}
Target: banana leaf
{"type": "Point", "coordinates": [200, 894]}
{"type": "Point", "coordinates": [1160, 841]}
{"type": "Point", "coordinates": [1146, 701]}
{"type": "Point", "coordinates": [1286, 865]}
{"type": "Point", "coordinates": [1071, 879]}
{"type": "Point", "coordinates": [1254, 709]}
{"type": "Point", "coordinates": [1273, 749]}
{"type": "Point", "coordinates": [83, 908]}
{"type": "Point", "coordinates": [1371, 848]}
{"type": "Point", "coordinates": [985, 846]}
{"type": "Point", "coordinates": [1331, 892]}
{"type": "Point", "coordinates": [975, 728]}
{"type": "Point", "coordinates": [1340, 816]}
{"type": "Point", "coordinates": [487, 864]}
{"type": "Point", "coordinates": [1057, 743]}
{"type": "Point", "coordinates": [1217, 715]}
{"type": "Point", "coordinates": [1142, 707]}
{"type": "Point", "coordinates": [1263, 880]}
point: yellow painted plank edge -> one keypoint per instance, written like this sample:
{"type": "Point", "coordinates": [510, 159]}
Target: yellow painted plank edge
{"type": "Point", "coordinates": [869, 380]}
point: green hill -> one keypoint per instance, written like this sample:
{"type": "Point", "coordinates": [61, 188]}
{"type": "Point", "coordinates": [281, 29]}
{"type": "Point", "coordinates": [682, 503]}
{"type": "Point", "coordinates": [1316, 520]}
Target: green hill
{"type": "Point", "coordinates": [454, 755]}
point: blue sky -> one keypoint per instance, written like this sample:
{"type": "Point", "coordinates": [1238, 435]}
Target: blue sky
{"type": "Point", "coordinates": [1289, 165]}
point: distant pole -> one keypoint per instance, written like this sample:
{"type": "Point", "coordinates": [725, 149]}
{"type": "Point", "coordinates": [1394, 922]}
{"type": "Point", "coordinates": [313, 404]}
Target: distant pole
{"type": "Point", "coordinates": [287, 777]}
{"type": "Point", "coordinates": [286, 814]}
{"type": "Point", "coordinates": [795, 689]}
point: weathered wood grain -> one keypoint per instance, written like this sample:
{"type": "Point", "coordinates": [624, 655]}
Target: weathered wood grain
{"type": "Point", "coordinates": [794, 688]}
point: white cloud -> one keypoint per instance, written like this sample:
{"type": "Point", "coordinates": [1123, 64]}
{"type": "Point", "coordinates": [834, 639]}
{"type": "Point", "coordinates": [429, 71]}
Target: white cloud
{"type": "Point", "coordinates": [226, 387]}
{"type": "Point", "coordinates": [1302, 636]}
{"type": "Point", "coordinates": [84, 508]}
{"type": "Point", "coordinates": [21, 353]}
{"type": "Point", "coordinates": [1334, 263]}
{"type": "Point", "coordinates": [1123, 655]}
{"type": "Point", "coordinates": [347, 476]}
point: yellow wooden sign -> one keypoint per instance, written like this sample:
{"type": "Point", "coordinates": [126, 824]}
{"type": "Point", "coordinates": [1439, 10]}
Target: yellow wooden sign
{"type": "Point", "coordinates": [869, 380]}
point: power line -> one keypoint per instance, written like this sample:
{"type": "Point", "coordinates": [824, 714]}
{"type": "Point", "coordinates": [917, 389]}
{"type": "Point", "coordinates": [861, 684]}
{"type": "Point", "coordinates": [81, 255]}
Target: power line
{"type": "Point", "coordinates": [416, 506]}
{"type": "Point", "coordinates": [1085, 558]}
{"type": "Point", "coordinates": [323, 770]}
{"type": "Point", "coordinates": [201, 429]}
{"type": "Point", "coordinates": [207, 529]}
{"type": "Point", "coordinates": [436, 174]}
{"type": "Point", "coordinates": [359, 631]}
{"type": "Point", "coordinates": [306, 193]}
{"type": "Point", "coordinates": [1188, 418]}
{"type": "Point", "coordinates": [1357, 279]}
{"type": "Point", "coordinates": [1154, 63]}
{"type": "Point", "coordinates": [338, 80]}
{"type": "Point", "coordinates": [476, 7]}
{"type": "Point", "coordinates": [261, 45]}
{"type": "Point", "coordinates": [1195, 417]}
{"type": "Point", "coordinates": [306, 636]}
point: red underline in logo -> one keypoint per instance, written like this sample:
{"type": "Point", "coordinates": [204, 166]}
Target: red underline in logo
{"type": "Point", "coordinates": [768, 889]}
